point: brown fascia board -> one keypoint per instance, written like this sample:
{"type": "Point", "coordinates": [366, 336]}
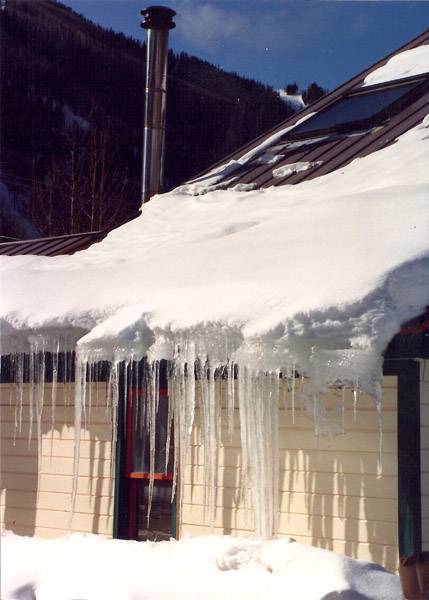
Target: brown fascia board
{"type": "Point", "coordinates": [323, 102]}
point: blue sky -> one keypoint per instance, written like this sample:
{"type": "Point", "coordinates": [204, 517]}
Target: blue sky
{"type": "Point", "coordinates": [277, 41]}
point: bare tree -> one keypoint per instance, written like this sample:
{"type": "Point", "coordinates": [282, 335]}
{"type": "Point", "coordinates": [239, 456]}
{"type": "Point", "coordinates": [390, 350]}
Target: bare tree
{"type": "Point", "coordinates": [85, 186]}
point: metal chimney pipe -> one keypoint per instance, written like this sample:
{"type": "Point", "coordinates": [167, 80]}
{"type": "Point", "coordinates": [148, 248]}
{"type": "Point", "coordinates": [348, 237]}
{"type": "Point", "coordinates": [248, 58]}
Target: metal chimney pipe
{"type": "Point", "coordinates": [158, 22]}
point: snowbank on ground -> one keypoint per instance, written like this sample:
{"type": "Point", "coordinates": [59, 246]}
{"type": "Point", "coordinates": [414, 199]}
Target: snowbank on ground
{"type": "Point", "coordinates": [211, 567]}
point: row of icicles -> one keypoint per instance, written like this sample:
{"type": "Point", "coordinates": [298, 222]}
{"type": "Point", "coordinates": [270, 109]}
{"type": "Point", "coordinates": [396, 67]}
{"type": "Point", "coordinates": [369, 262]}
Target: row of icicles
{"type": "Point", "coordinates": [191, 382]}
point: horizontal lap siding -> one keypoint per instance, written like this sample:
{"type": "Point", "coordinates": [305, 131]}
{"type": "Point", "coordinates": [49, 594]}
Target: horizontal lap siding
{"type": "Point", "coordinates": [332, 491]}
{"type": "Point", "coordinates": [42, 507]}
{"type": "Point", "coordinates": [424, 441]}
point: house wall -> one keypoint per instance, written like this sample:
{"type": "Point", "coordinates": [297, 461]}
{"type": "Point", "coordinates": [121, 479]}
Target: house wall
{"type": "Point", "coordinates": [42, 507]}
{"type": "Point", "coordinates": [424, 450]}
{"type": "Point", "coordinates": [333, 492]}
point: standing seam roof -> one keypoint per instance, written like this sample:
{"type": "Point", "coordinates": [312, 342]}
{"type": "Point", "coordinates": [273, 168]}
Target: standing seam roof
{"type": "Point", "coordinates": [55, 246]}
{"type": "Point", "coordinates": [335, 151]}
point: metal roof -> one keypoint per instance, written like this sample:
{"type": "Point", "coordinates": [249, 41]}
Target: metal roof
{"type": "Point", "coordinates": [329, 152]}
{"type": "Point", "coordinates": [54, 246]}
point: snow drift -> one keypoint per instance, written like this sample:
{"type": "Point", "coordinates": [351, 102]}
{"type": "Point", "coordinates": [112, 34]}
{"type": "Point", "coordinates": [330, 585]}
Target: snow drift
{"type": "Point", "coordinates": [210, 567]}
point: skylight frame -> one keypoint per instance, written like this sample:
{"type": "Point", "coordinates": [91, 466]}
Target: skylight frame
{"type": "Point", "coordinates": [374, 121]}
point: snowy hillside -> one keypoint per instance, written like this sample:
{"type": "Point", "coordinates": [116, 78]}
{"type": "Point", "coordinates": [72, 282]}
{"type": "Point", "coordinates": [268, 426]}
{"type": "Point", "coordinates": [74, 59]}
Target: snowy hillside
{"type": "Point", "coordinates": [295, 100]}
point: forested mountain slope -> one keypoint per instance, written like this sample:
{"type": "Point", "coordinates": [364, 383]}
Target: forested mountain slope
{"type": "Point", "coordinates": [72, 119]}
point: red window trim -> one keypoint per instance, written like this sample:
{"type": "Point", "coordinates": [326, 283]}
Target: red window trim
{"type": "Point", "coordinates": [157, 476]}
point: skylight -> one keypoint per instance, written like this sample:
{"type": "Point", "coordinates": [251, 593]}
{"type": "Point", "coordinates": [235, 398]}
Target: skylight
{"type": "Point", "coordinates": [363, 108]}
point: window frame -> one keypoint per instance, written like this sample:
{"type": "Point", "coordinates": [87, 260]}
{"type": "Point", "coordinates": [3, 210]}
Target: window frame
{"type": "Point", "coordinates": [359, 125]}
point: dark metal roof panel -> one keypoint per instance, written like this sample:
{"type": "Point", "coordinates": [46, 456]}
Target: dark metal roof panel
{"type": "Point", "coordinates": [355, 81]}
{"type": "Point", "coordinates": [55, 246]}
{"type": "Point", "coordinates": [333, 152]}
{"type": "Point", "coordinates": [359, 146]}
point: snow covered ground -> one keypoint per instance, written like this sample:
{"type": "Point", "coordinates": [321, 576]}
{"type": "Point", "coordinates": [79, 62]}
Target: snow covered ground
{"type": "Point", "coordinates": [89, 567]}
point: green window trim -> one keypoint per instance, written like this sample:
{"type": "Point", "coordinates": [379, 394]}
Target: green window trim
{"type": "Point", "coordinates": [409, 477]}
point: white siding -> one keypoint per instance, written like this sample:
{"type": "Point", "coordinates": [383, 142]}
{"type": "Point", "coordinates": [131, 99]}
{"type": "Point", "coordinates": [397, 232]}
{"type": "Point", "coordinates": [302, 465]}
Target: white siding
{"type": "Point", "coordinates": [333, 493]}
{"type": "Point", "coordinates": [41, 506]}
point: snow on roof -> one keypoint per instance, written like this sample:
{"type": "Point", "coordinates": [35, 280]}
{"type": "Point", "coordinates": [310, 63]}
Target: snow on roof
{"type": "Point", "coordinates": [215, 178]}
{"type": "Point", "coordinates": [322, 273]}
{"type": "Point", "coordinates": [405, 64]}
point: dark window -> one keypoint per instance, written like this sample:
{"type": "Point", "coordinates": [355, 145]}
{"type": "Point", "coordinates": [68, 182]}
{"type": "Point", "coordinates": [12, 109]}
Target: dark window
{"type": "Point", "coordinates": [362, 109]}
{"type": "Point", "coordinates": [161, 522]}
{"type": "Point", "coordinates": [140, 455]}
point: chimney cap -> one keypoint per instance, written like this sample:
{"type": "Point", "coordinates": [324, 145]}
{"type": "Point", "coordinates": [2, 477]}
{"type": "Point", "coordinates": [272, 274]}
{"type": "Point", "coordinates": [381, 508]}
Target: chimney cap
{"type": "Point", "coordinates": [158, 17]}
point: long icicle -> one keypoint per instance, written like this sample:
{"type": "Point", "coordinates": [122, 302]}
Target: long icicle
{"type": "Point", "coordinates": [153, 403]}
{"type": "Point", "coordinates": [54, 392]}
{"type": "Point", "coordinates": [79, 403]}
{"type": "Point", "coordinates": [40, 398]}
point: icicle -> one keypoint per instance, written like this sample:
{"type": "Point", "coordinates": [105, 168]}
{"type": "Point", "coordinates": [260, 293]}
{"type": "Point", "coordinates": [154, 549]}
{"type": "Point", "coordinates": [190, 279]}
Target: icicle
{"type": "Point", "coordinates": [244, 420]}
{"type": "Point", "coordinates": [217, 377]}
{"type": "Point", "coordinates": [170, 418]}
{"type": "Point", "coordinates": [153, 403]}
{"type": "Point", "coordinates": [259, 406]}
{"type": "Point", "coordinates": [376, 395]}
{"type": "Point", "coordinates": [273, 448]}
{"type": "Point", "coordinates": [31, 397]}
{"type": "Point", "coordinates": [40, 397]}
{"type": "Point", "coordinates": [284, 390]}
{"type": "Point", "coordinates": [90, 380]}
{"type": "Point", "coordinates": [172, 413]}
{"type": "Point", "coordinates": [79, 403]}
{"type": "Point", "coordinates": [97, 375]}
{"type": "Point", "coordinates": [65, 380]}
{"type": "Point", "coordinates": [183, 392]}
{"type": "Point", "coordinates": [210, 432]}
{"type": "Point", "coordinates": [293, 393]}
{"type": "Point", "coordinates": [126, 367]}
{"type": "Point", "coordinates": [113, 402]}
{"type": "Point", "coordinates": [230, 368]}
{"type": "Point", "coordinates": [54, 393]}
{"type": "Point", "coordinates": [19, 389]}
{"type": "Point", "coordinates": [354, 404]}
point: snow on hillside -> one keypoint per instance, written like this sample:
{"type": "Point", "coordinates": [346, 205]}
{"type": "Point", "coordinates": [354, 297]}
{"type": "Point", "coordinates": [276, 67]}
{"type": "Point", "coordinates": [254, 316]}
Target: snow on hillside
{"type": "Point", "coordinates": [210, 567]}
{"type": "Point", "coordinates": [295, 100]}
